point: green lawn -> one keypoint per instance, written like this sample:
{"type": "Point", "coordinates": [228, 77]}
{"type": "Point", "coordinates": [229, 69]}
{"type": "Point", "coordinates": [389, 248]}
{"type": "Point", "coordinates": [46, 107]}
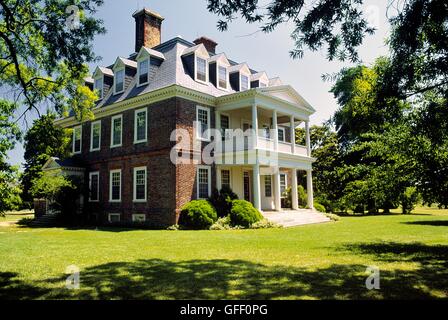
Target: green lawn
{"type": "Point", "coordinates": [326, 261]}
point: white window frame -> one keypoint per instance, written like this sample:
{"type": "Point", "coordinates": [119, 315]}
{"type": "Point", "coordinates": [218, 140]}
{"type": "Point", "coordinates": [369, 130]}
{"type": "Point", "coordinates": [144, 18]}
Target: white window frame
{"type": "Point", "coordinates": [217, 77]}
{"type": "Point", "coordinates": [102, 89]}
{"type": "Point", "coordinates": [198, 126]}
{"type": "Point", "coordinates": [286, 182]}
{"type": "Point", "coordinates": [138, 71]}
{"type": "Point", "coordinates": [111, 172]}
{"type": "Point", "coordinates": [224, 133]}
{"type": "Point", "coordinates": [196, 57]}
{"type": "Point", "coordinates": [135, 184]}
{"type": "Point", "coordinates": [136, 112]}
{"type": "Point", "coordinates": [94, 173]}
{"type": "Point", "coordinates": [112, 145]}
{"type": "Point", "coordinates": [80, 140]}
{"type": "Point", "coordinates": [91, 136]}
{"type": "Point", "coordinates": [230, 176]}
{"type": "Point", "coordinates": [248, 81]}
{"type": "Point", "coordinates": [115, 80]}
{"type": "Point", "coordinates": [270, 184]}
{"type": "Point", "coordinates": [284, 136]}
{"type": "Point", "coordinates": [135, 215]}
{"type": "Point", "coordinates": [114, 214]}
{"type": "Point", "coordinates": [208, 168]}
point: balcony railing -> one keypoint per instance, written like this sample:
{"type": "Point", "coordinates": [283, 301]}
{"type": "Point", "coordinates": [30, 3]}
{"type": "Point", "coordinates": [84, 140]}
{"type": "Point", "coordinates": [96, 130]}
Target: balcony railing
{"type": "Point", "coordinates": [244, 143]}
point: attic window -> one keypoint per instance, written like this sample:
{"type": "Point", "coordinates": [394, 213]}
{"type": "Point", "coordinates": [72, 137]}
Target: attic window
{"type": "Point", "coordinates": [201, 69]}
{"type": "Point", "coordinates": [143, 72]}
{"type": "Point", "coordinates": [119, 81]}
{"type": "Point", "coordinates": [98, 85]}
{"type": "Point", "coordinates": [222, 80]}
{"type": "Point", "coordinates": [244, 85]}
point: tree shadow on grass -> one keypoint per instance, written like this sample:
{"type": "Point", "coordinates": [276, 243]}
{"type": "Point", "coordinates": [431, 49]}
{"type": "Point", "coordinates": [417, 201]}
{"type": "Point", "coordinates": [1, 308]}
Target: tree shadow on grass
{"type": "Point", "coordinates": [12, 288]}
{"type": "Point", "coordinates": [435, 223]}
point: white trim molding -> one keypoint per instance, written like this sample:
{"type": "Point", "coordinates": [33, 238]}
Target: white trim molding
{"type": "Point", "coordinates": [111, 172]}
{"type": "Point", "coordinates": [136, 113]}
{"type": "Point", "coordinates": [198, 128]}
{"type": "Point", "coordinates": [112, 145]}
{"type": "Point", "coordinates": [91, 136]}
{"type": "Point", "coordinates": [134, 184]}
{"type": "Point", "coordinates": [209, 178]}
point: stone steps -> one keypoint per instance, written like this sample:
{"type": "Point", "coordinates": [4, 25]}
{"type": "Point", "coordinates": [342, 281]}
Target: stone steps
{"type": "Point", "coordinates": [291, 218]}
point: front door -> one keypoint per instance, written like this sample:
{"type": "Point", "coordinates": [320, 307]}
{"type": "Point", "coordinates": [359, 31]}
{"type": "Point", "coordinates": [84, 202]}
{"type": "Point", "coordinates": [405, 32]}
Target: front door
{"type": "Point", "coordinates": [246, 184]}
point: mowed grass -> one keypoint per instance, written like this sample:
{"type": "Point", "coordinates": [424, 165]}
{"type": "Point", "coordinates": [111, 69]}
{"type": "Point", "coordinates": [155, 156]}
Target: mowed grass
{"type": "Point", "coordinates": [325, 261]}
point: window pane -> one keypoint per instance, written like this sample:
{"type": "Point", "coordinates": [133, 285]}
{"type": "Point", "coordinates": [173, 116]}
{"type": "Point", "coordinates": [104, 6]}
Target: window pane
{"type": "Point", "coordinates": [203, 183]}
{"type": "Point", "coordinates": [140, 184]}
{"type": "Point", "coordinates": [282, 183]}
{"type": "Point", "coordinates": [201, 65]}
{"type": "Point", "coordinates": [203, 121]}
{"type": "Point", "coordinates": [244, 83]}
{"type": "Point", "coordinates": [116, 185]}
{"type": "Point", "coordinates": [116, 131]}
{"type": "Point", "coordinates": [96, 132]}
{"type": "Point", "coordinates": [99, 86]}
{"type": "Point", "coordinates": [222, 77]}
{"type": "Point", "coordinates": [94, 187]}
{"type": "Point", "coordinates": [141, 125]}
{"type": "Point", "coordinates": [77, 139]}
{"type": "Point", "coordinates": [143, 71]}
{"type": "Point", "coordinates": [119, 81]}
{"type": "Point", "coordinates": [225, 178]}
{"type": "Point", "coordinates": [267, 186]}
{"type": "Point", "coordinates": [281, 135]}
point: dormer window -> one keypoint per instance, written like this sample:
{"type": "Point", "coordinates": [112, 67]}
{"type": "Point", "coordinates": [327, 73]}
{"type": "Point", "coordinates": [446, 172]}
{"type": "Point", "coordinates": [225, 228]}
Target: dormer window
{"type": "Point", "coordinates": [98, 85]}
{"type": "Point", "coordinates": [119, 81]}
{"type": "Point", "coordinates": [222, 77]}
{"type": "Point", "coordinates": [244, 85]}
{"type": "Point", "coordinates": [143, 72]}
{"type": "Point", "coordinates": [201, 69]}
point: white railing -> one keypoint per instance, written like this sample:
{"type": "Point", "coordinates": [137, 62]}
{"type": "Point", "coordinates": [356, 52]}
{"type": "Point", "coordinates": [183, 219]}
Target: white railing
{"type": "Point", "coordinates": [243, 143]}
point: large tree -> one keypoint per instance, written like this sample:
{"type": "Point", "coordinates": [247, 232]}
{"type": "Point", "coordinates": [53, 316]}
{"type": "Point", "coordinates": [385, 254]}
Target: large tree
{"type": "Point", "coordinates": [42, 141]}
{"type": "Point", "coordinates": [44, 48]}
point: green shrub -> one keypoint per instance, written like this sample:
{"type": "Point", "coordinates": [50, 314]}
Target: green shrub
{"type": "Point", "coordinates": [222, 224]}
{"type": "Point", "coordinates": [174, 227]}
{"type": "Point", "coordinates": [333, 216]}
{"type": "Point", "coordinates": [244, 214]}
{"type": "Point", "coordinates": [409, 199]}
{"type": "Point", "coordinates": [222, 201]}
{"type": "Point", "coordinates": [301, 196]}
{"type": "Point", "coordinates": [197, 215]}
{"type": "Point", "coordinates": [265, 224]}
{"type": "Point", "coordinates": [319, 207]}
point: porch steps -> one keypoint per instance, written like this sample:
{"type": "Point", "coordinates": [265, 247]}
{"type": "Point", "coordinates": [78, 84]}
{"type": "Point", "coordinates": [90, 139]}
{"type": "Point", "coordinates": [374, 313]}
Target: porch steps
{"type": "Point", "coordinates": [47, 220]}
{"type": "Point", "coordinates": [291, 218]}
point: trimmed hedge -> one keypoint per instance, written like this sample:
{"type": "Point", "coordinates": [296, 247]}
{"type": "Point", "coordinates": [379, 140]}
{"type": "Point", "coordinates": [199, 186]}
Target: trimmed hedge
{"type": "Point", "coordinates": [197, 215]}
{"type": "Point", "coordinates": [244, 214]}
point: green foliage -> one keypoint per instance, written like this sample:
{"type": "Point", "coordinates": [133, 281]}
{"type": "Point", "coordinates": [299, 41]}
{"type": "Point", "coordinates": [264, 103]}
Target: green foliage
{"type": "Point", "coordinates": [222, 224]}
{"type": "Point", "coordinates": [319, 207]}
{"type": "Point", "coordinates": [43, 58]}
{"type": "Point", "coordinates": [49, 185]}
{"type": "Point", "coordinates": [222, 200]}
{"type": "Point", "coordinates": [301, 196]}
{"type": "Point", "coordinates": [264, 224]}
{"type": "Point", "coordinates": [9, 188]}
{"type": "Point", "coordinates": [244, 214]}
{"type": "Point", "coordinates": [42, 141]}
{"type": "Point", "coordinates": [197, 215]}
{"type": "Point", "coordinates": [338, 25]}
{"type": "Point", "coordinates": [409, 199]}
{"type": "Point", "coordinates": [333, 216]}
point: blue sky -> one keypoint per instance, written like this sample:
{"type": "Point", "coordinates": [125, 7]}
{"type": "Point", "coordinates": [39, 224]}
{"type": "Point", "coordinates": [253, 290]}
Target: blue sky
{"type": "Point", "coordinates": [242, 43]}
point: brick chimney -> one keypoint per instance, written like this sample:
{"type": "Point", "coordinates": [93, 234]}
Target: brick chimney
{"type": "Point", "coordinates": [209, 44]}
{"type": "Point", "coordinates": [148, 29]}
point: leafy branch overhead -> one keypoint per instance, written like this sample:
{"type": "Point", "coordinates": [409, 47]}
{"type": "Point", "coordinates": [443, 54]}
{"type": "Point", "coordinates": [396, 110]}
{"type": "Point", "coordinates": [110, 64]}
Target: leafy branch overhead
{"type": "Point", "coordinates": [338, 25]}
{"type": "Point", "coordinates": [42, 59]}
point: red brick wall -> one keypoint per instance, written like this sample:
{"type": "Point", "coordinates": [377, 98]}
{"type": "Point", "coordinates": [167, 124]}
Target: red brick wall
{"type": "Point", "coordinates": [169, 186]}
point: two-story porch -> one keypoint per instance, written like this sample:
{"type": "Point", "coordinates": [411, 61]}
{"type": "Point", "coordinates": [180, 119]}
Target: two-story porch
{"type": "Point", "coordinates": [259, 167]}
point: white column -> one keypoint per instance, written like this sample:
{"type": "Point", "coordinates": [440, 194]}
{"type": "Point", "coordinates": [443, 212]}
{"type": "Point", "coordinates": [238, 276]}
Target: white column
{"type": "Point", "coordinates": [277, 195]}
{"type": "Point", "coordinates": [256, 182]}
{"type": "Point", "coordinates": [255, 124]}
{"type": "Point", "coordinates": [275, 128]}
{"type": "Point", "coordinates": [307, 136]}
{"type": "Point", "coordinates": [294, 196]}
{"type": "Point", "coordinates": [309, 188]}
{"type": "Point", "coordinates": [293, 136]}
